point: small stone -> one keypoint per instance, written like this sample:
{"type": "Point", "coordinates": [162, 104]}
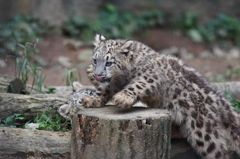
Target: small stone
{"type": "Point", "coordinates": [85, 55]}
{"type": "Point", "coordinates": [170, 51]}
{"type": "Point", "coordinates": [234, 53]}
{"type": "Point", "coordinates": [206, 55]}
{"type": "Point", "coordinates": [41, 61]}
{"type": "Point", "coordinates": [2, 64]}
{"type": "Point", "coordinates": [32, 126]}
{"type": "Point", "coordinates": [76, 44]}
{"type": "Point", "coordinates": [185, 55]}
{"type": "Point", "coordinates": [65, 61]}
{"type": "Point", "coordinates": [219, 53]}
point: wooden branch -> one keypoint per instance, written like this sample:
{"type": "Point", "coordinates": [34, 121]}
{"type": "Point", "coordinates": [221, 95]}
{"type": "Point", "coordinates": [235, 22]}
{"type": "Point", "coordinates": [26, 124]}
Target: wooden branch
{"type": "Point", "coordinates": [30, 105]}
{"type": "Point", "coordinates": [26, 143]}
{"type": "Point", "coordinates": [110, 132]}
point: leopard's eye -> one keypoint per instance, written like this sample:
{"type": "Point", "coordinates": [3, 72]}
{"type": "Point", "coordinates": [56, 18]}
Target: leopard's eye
{"type": "Point", "coordinates": [108, 64]}
{"type": "Point", "coordinates": [95, 61]}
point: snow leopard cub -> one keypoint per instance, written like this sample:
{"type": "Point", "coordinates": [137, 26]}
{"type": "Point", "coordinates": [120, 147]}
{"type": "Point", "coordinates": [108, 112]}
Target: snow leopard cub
{"type": "Point", "coordinates": [128, 71]}
{"type": "Point", "coordinates": [74, 102]}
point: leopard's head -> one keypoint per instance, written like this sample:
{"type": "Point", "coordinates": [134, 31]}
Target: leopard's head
{"type": "Point", "coordinates": [81, 90]}
{"type": "Point", "coordinates": [110, 57]}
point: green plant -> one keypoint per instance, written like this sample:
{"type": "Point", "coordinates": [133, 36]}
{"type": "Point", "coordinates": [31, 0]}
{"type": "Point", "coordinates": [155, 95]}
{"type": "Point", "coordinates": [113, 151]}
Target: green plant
{"type": "Point", "coordinates": [12, 121]}
{"type": "Point", "coordinates": [229, 75]}
{"type": "Point", "coordinates": [25, 68]}
{"type": "Point", "coordinates": [50, 89]}
{"type": "Point", "coordinates": [234, 103]}
{"type": "Point", "coordinates": [20, 30]}
{"type": "Point", "coordinates": [187, 22]}
{"type": "Point", "coordinates": [224, 28]}
{"type": "Point", "coordinates": [219, 78]}
{"type": "Point", "coordinates": [77, 28]}
{"type": "Point", "coordinates": [112, 22]}
{"type": "Point", "coordinates": [47, 122]}
{"type": "Point", "coordinates": [70, 77]}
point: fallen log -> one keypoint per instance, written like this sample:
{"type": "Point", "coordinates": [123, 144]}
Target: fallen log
{"type": "Point", "coordinates": [33, 144]}
{"type": "Point", "coordinates": [110, 132]}
{"type": "Point", "coordinates": [30, 105]}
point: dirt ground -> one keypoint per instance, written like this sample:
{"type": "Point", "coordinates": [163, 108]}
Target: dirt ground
{"type": "Point", "coordinates": [52, 47]}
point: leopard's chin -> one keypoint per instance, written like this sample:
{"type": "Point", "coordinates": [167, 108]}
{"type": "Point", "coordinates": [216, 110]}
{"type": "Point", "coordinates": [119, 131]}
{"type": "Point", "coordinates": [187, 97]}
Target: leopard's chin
{"type": "Point", "coordinates": [106, 80]}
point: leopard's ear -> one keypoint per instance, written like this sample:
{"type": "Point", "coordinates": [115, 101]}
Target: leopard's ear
{"type": "Point", "coordinates": [76, 86]}
{"type": "Point", "coordinates": [125, 48]}
{"type": "Point", "coordinates": [98, 39]}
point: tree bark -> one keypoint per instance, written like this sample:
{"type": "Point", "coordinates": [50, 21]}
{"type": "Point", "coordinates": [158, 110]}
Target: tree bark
{"type": "Point", "coordinates": [33, 144]}
{"type": "Point", "coordinates": [30, 105]}
{"type": "Point", "coordinates": [11, 85]}
{"type": "Point", "coordinates": [112, 133]}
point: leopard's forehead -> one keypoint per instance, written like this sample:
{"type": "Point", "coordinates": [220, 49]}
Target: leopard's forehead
{"type": "Point", "coordinates": [107, 47]}
{"type": "Point", "coordinates": [77, 96]}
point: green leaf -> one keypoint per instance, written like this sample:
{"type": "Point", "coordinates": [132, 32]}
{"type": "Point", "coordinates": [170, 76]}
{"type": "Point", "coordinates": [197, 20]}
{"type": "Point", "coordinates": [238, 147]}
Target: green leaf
{"type": "Point", "coordinates": [50, 89]}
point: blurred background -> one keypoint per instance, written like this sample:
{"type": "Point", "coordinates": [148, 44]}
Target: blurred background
{"type": "Point", "coordinates": [49, 42]}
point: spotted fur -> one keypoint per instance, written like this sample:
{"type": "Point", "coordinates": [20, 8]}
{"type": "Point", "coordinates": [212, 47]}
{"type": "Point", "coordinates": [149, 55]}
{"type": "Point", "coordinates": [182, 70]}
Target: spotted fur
{"type": "Point", "coordinates": [74, 102]}
{"type": "Point", "coordinates": [128, 71]}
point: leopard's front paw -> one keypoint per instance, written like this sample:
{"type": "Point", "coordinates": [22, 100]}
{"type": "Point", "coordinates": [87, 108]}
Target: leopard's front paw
{"type": "Point", "coordinates": [90, 102]}
{"type": "Point", "coordinates": [123, 100]}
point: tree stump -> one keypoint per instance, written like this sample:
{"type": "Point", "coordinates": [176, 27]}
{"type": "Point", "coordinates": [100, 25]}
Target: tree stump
{"type": "Point", "coordinates": [11, 85]}
{"type": "Point", "coordinates": [113, 133]}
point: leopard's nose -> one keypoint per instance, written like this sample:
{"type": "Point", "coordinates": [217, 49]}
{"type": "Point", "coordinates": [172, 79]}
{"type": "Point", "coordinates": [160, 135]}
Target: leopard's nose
{"type": "Point", "coordinates": [97, 74]}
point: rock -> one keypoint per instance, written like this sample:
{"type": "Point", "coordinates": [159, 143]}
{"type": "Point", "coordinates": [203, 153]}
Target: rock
{"type": "Point", "coordinates": [234, 53]}
{"type": "Point", "coordinates": [219, 53]}
{"type": "Point", "coordinates": [33, 126]}
{"type": "Point", "coordinates": [73, 43]}
{"type": "Point", "coordinates": [2, 64]}
{"type": "Point", "coordinates": [85, 55]}
{"type": "Point", "coordinates": [181, 53]}
{"type": "Point", "coordinates": [206, 55]}
{"type": "Point", "coordinates": [185, 55]}
{"type": "Point", "coordinates": [41, 61]}
{"type": "Point", "coordinates": [170, 51]}
{"type": "Point", "coordinates": [65, 61]}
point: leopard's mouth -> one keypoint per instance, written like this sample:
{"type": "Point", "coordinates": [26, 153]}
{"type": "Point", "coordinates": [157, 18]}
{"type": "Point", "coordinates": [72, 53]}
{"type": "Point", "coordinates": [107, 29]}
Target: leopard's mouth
{"type": "Point", "coordinates": [102, 79]}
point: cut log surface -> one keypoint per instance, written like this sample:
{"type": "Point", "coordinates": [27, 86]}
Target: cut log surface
{"type": "Point", "coordinates": [113, 133]}
{"type": "Point", "coordinates": [16, 143]}
{"type": "Point", "coordinates": [30, 105]}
